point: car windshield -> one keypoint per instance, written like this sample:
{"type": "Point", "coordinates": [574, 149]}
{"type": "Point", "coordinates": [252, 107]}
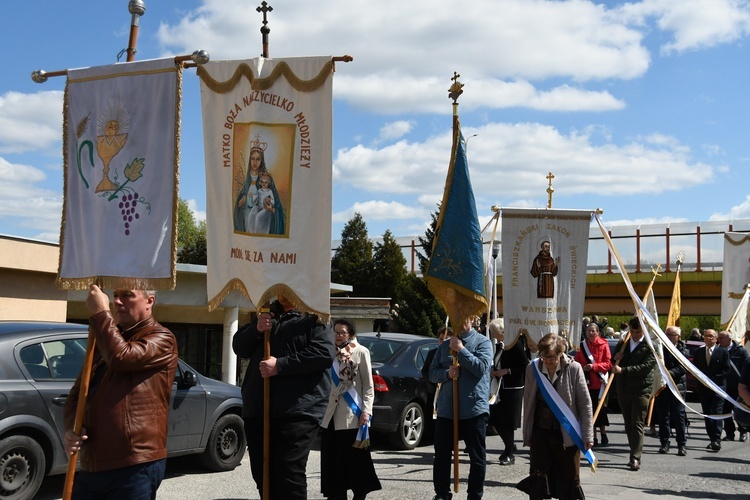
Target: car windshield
{"type": "Point", "coordinates": [380, 349]}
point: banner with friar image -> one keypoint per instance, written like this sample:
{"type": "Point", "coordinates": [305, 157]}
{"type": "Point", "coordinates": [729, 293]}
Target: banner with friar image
{"type": "Point", "coordinates": [267, 127]}
{"type": "Point", "coordinates": [121, 152]}
{"type": "Point", "coordinates": [544, 260]}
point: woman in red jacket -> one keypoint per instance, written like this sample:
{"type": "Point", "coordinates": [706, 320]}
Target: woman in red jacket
{"type": "Point", "coordinates": [596, 360]}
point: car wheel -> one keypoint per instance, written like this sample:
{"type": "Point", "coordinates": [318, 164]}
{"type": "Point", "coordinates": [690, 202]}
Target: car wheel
{"type": "Point", "coordinates": [22, 466]}
{"type": "Point", "coordinates": [410, 430]}
{"type": "Point", "coordinates": [226, 444]}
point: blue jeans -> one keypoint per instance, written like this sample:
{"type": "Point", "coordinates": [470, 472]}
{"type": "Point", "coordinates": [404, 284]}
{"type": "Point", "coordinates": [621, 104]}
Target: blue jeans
{"type": "Point", "coordinates": [473, 432]}
{"type": "Point", "coordinates": [137, 482]}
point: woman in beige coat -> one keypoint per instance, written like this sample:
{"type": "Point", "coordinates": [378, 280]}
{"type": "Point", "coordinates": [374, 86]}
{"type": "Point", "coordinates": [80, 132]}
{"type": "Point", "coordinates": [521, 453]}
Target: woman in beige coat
{"type": "Point", "coordinates": [554, 458]}
{"type": "Point", "coordinates": [346, 463]}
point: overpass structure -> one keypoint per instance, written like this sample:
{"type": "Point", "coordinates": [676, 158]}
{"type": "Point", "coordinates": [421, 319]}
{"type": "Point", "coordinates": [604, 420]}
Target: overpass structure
{"type": "Point", "coordinates": [645, 249]}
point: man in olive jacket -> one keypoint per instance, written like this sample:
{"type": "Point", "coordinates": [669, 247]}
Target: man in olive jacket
{"type": "Point", "coordinates": [634, 369]}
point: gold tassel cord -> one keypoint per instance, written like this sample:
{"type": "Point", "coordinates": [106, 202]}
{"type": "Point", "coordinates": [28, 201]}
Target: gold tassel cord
{"type": "Point", "coordinates": [282, 69]}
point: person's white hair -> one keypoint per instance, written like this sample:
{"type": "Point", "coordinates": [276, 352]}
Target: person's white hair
{"type": "Point", "coordinates": [497, 325]}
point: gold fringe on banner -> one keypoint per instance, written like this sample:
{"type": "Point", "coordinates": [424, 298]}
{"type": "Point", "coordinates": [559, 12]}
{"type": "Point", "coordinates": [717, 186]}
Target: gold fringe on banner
{"type": "Point", "coordinates": [282, 69]}
{"type": "Point", "coordinates": [117, 282]}
{"type": "Point", "coordinates": [271, 293]}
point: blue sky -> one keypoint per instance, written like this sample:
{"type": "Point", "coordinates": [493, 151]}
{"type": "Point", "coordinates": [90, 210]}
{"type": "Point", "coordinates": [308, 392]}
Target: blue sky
{"type": "Point", "coordinates": [638, 108]}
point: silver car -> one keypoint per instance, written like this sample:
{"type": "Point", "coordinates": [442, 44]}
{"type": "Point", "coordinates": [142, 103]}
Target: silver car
{"type": "Point", "coordinates": [38, 364]}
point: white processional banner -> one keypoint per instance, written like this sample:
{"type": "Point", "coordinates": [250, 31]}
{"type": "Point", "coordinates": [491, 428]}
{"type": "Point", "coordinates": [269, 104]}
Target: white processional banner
{"type": "Point", "coordinates": [121, 153]}
{"type": "Point", "coordinates": [267, 126]}
{"type": "Point", "coordinates": [735, 277]}
{"type": "Point", "coordinates": [544, 263]}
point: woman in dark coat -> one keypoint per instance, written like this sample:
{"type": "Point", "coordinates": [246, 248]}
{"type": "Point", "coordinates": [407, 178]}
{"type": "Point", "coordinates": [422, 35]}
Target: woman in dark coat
{"type": "Point", "coordinates": [507, 378]}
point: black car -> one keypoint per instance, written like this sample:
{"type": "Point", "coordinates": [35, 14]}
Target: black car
{"type": "Point", "coordinates": [403, 398]}
{"type": "Point", "coordinates": [38, 365]}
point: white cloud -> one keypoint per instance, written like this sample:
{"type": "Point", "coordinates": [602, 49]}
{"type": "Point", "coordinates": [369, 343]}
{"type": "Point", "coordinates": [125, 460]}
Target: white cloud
{"type": "Point", "coordinates": [394, 130]}
{"type": "Point", "coordinates": [400, 51]}
{"type": "Point", "coordinates": [22, 200]}
{"type": "Point", "coordinates": [694, 24]}
{"type": "Point", "coordinates": [379, 211]}
{"type": "Point", "coordinates": [741, 211]}
{"type": "Point", "coordinates": [510, 162]}
{"type": "Point", "coordinates": [198, 214]}
{"type": "Point", "coordinates": [30, 122]}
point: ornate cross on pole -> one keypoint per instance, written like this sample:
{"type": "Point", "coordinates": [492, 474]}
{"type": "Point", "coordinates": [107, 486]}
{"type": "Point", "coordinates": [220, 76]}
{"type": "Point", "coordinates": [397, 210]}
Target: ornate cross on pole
{"type": "Point", "coordinates": [550, 189]}
{"type": "Point", "coordinates": [265, 30]}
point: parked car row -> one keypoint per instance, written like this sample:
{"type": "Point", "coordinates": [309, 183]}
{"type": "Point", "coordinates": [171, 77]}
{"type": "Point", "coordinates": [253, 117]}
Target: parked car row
{"type": "Point", "coordinates": [403, 398]}
{"type": "Point", "coordinates": [38, 365]}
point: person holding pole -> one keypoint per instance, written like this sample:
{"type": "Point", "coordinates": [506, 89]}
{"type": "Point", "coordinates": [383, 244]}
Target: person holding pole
{"type": "Point", "coordinates": [596, 361]}
{"type": "Point", "coordinates": [634, 367]}
{"type": "Point", "coordinates": [473, 352]}
{"type": "Point", "coordinates": [123, 441]}
{"type": "Point", "coordinates": [298, 368]}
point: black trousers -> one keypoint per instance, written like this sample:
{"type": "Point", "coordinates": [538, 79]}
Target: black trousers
{"type": "Point", "coordinates": [344, 467]}
{"type": "Point", "coordinates": [712, 404]}
{"type": "Point", "coordinates": [548, 456]}
{"type": "Point", "coordinates": [290, 442]}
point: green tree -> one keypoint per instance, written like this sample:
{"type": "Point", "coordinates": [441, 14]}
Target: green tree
{"type": "Point", "coordinates": [419, 310]}
{"type": "Point", "coordinates": [352, 262]}
{"type": "Point", "coordinates": [196, 251]}
{"type": "Point", "coordinates": [389, 268]}
{"type": "Point", "coordinates": [427, 242]}
{"type": "Point", "coordinates": [191, 236]}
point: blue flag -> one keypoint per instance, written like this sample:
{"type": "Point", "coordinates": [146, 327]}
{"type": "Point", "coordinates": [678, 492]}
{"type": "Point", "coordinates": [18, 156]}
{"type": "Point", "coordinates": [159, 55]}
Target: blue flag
{"type": "Point", "coordinates": [455, 273]}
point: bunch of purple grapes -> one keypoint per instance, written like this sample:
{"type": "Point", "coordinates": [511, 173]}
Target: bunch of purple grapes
{"type": "Point", "coordinates": [128, 209]}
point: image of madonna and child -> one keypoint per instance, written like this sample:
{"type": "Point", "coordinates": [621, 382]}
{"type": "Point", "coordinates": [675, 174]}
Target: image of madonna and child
{"type": "Point", "coordinates": [257, 208]}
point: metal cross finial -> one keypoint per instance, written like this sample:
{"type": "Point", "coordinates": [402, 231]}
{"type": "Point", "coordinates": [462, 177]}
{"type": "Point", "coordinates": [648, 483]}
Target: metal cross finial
{"type": "Point", "coordinates": [265, 30]}
{"type": "Point", "coordinates": [550, 189]}
{"type": "Point", "coordinates": [456, 88]}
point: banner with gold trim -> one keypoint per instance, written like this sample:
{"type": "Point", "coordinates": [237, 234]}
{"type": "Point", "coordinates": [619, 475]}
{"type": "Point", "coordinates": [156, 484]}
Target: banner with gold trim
{"type": "Point", "coordinates": [267, 126]}
{"type": "Point", "coordinates": [121, 131]}
{"type": "Point", "coordinates": [544, 265]}
{"type": "Point", "coordinates": [735, 277]}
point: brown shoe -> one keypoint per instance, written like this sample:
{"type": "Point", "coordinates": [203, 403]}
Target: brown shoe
{"type": "Point", "coordinates": [635, 465]}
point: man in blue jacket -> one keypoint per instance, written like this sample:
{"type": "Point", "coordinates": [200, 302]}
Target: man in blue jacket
{"type": "Point", "coordinates": [474, 354]}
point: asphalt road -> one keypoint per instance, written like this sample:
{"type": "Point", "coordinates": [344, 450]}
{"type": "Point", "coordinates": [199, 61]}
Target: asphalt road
{"type": "Point", "coordinates": [407, 475]}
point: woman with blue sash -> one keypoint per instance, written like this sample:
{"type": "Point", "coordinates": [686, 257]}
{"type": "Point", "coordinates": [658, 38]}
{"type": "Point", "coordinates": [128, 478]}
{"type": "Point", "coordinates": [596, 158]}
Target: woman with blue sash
{"type": "Point", "coordinates": [346, 463]}
{"type": "Point", "coordinates": [557, 423]}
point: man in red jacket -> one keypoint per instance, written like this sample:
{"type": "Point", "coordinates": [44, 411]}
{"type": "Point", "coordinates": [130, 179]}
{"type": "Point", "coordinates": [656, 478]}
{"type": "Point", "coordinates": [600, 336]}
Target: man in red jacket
{"type": "Point", "coordinates": [123, 444]}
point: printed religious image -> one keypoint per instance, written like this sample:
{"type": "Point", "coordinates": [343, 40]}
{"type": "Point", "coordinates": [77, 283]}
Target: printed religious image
{"type": "Point", "coordinates": [544, 269]}
{"type": "Point", "coordinates": [262, 156]}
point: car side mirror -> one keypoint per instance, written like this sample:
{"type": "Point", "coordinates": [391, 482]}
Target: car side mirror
{"type": "Point", "coordinates": [188, 379]}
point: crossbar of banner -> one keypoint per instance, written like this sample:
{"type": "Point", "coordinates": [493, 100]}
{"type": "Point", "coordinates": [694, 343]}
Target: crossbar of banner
{"type": "Point", "coordinates": [190, 60]}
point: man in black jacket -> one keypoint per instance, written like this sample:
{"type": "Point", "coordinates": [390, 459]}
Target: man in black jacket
{"type": "Point", "coordinates": [737, 356]}
{"type": "Point", "coordinates": [712, 360]}
{"type": "Point", "coordinates": [671, 411]}
{"type": "Point", "coordinates": [302, 351]}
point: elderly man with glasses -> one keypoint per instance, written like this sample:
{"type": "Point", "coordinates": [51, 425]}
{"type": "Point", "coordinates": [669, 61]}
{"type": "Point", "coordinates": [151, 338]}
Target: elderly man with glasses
{"type": "Point", "coordinates": [671, 411]}
{"type": "Point", "coordinates": [635, 377]}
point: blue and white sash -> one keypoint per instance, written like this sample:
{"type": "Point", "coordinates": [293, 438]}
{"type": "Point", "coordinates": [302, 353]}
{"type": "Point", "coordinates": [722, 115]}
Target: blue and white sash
{"type": "Point", "coordinates": [563, 414]}
{"type": "Point", "coordinates": [356, 404]}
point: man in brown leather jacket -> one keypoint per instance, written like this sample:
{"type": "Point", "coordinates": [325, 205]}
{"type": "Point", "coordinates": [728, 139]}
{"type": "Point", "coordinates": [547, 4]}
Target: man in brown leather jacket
{"type": "Point", "coordinates": [123, 445]}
